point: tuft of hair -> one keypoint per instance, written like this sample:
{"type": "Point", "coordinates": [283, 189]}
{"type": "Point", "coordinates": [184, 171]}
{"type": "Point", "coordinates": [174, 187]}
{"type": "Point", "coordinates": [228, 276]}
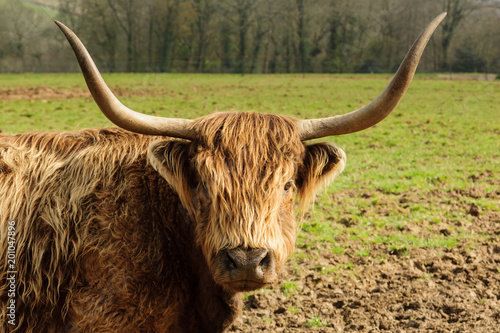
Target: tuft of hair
{"type": "Point", "coordinates": [322, 163]}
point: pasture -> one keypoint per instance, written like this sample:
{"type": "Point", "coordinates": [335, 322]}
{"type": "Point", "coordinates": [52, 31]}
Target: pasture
{"type": "Point", "coordinates": [408, 236]}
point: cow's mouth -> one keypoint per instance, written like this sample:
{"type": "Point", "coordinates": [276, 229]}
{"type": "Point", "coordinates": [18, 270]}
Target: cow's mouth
{"type": "Point", "coordinates": [245, 285]}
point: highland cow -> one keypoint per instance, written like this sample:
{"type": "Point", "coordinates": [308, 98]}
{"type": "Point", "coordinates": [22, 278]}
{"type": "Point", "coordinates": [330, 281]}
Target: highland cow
{"type": "Point", "coordinates": [160, 225]}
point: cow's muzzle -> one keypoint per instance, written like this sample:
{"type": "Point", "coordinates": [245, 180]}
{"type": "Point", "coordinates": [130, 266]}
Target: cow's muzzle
{"type": "Point", "coordinates": [245, 269]}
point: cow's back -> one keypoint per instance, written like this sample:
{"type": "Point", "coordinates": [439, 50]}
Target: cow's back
{"type": "Point", "coordinates": [86, 208]}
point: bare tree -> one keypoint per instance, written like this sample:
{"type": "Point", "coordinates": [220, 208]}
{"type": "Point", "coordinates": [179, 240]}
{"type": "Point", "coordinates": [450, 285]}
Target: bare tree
{"type": "Point", "coordinates": [350, 34]}
{"type": "Point", "coordinates": [21, 33]}
{"type": "Point", "coordinates": [99, 21]}
{"type": "Point", "coordinates": [481, 40]}
{"type": "Point", "coordinates": [301, 33]}
{"type": "Point", "coordinates": [244, 12]}
{"type": "Point", "coordinates": [126, 14]}
{"type": "Point", "coordinates": [457, 11]}
{"type": "Point", "coordinates": [204, 10]}
{"type": "Point", "coordinates": [237, 17]}
{"type": "Point", "coordinates": [265, 13]}
{"type": "Point", "coordinates": [166, 16]}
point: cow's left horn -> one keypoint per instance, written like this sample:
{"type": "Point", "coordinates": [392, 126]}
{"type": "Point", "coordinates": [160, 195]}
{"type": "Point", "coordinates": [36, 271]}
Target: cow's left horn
{"type": "Point", "coordinates": [112, 108]}
{"type": "Point", "coordinates": [383, 105]}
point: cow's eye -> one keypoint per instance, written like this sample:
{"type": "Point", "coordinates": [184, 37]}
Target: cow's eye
{"type": "Point", "coordinates": [288, 185]}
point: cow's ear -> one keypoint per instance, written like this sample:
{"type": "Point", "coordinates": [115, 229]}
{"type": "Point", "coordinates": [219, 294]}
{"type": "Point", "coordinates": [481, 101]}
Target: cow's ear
{"type": "Point", "coordinates": [172, 160]}
{"type": "Point", "coordinates": [321, 164]}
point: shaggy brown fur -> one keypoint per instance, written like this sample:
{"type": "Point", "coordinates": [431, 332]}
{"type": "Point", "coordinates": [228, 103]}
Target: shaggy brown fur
{"type": "Point", "coordinates": [117, 231]}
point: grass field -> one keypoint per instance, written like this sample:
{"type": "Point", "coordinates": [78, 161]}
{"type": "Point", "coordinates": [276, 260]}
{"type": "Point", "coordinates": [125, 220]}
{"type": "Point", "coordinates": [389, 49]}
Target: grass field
{"type": "Point", "coordinates": [426, 178]}
{"type": "Point", "coordinates": [441, 134]}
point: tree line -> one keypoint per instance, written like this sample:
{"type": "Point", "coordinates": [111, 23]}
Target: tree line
{"type": "Point", "coordinates": [250, 36]}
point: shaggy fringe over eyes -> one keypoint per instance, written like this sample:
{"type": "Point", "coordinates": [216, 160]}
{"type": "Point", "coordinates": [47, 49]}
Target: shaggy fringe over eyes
{"type": "Point", "coordinates": [244, 160]}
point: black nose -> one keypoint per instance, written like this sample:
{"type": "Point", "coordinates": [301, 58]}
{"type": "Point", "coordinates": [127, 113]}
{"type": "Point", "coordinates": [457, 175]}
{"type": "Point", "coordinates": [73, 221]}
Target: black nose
{"type": "Point", "coordinates": [249, 263]}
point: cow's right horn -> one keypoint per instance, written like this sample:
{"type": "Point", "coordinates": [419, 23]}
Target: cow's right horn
{"type": "Point", "coordinates": [112, 108]}
{"type": "Point", "coordinates": [382, 106]}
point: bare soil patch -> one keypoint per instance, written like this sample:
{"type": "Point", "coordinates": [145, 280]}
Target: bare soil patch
{"type": "Point", "coordinates": [41, 92]}
{"type": "Point", "coordinates": [417, 289]}
{"type": "Point", "coordinates": [46, 93]}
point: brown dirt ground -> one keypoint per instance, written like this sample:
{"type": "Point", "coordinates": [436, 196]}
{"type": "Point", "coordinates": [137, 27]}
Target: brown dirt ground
{"type": "Point", "coordinates": [41, 92]}
{"type": "Point", "coordinates": [44, 92]}
{"type": "Point", "coordinates": [418, 289]}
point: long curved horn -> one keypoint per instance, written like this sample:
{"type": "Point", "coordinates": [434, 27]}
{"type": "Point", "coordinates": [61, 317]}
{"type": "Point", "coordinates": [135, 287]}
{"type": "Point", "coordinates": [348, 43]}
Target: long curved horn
{"type": "Point", "coordinates": [112, 108]}
{"type": "Point", "coordinates": [381, 107]}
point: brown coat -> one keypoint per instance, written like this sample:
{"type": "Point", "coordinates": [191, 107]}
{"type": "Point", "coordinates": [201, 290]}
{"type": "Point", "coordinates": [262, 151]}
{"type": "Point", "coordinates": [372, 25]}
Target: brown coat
{"type": "Point", "coordinates": [120, 232]}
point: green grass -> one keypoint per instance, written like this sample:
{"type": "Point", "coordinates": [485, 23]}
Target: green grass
{"type": "Point", "coordinates": [289, 288]}
{"type": "Point", "coordinates": [397, 187]}
{"type": "Point", "coordinates": [38, 7]}
{"type": "Point", "coordinates": [348, 267]}
{"type": "Point", "coordinates": [316, 321]}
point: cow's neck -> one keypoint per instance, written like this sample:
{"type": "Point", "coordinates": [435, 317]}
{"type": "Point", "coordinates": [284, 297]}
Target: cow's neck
{"type": "Point", "coordinates": [217, 308]}
{"type": "Point", "coordinates": [207, 306]}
